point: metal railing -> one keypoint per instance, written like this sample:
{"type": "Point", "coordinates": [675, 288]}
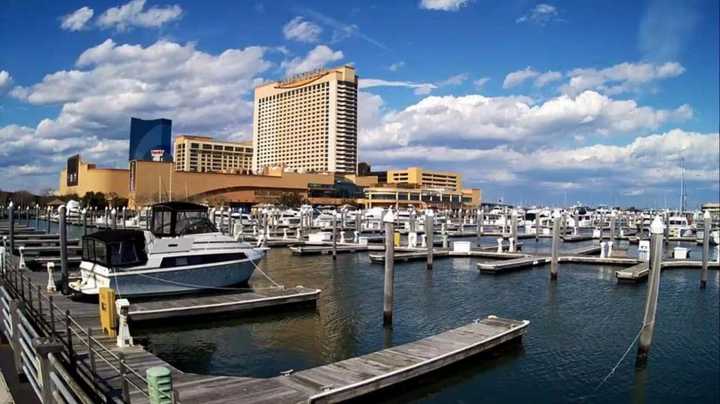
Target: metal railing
{"type": "Point", "coordinates": [29, 316]}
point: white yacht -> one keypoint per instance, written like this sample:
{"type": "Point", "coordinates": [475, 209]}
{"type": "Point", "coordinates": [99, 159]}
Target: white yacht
{"type": "Point", "coordinates": [678, 226]}
{"type": "Point", "coordinates": [182, 253]}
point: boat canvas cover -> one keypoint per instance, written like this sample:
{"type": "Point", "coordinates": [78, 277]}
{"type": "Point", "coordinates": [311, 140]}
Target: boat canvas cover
{"type": "Point", "coordinates": [115, 248]}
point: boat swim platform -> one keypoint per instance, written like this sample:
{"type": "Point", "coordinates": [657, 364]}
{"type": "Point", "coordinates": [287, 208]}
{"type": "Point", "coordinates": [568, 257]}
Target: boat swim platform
{"type": "Point", "coordinates": [359, 376]}
{"type": "Point", "coordinates": [217, 303]}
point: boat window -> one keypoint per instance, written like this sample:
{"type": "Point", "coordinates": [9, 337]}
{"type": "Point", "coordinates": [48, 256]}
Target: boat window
{"type": "Point", "coordinates": [193, 223]}
{"type": "Point", "coordinates": [115, 258]}
{"type": "Point", "coordinates": [162, 222]}
{"type": "Point", "coordinates": [125, 253]}
{"type": "Point", "coordinates": [88, 249]}
{"type": "Point", "coordinates": [100, 252]}
{"type": "Point", "coordinates": [200, 259]}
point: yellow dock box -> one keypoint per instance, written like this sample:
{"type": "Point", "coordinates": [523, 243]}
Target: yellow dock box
{"type": "Point", "coordinates": [397, 239]}
{"type": "Point", "coordinates": [108, 315]}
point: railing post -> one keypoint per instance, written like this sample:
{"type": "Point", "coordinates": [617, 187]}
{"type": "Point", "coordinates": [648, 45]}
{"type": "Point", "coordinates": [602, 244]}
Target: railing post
{"type": "Point", "coordinates": [125, 388]}
{"type": "Point", "coordinates": [15, 306]}
{"type": "Point", "coordinates": [91, 353]}
{"type": "Point", "coordinates": [51, 306]}
{"type": "Point", "coordinates": [44, 347]}
{"type": "Point", "coordinates": [68, 332]}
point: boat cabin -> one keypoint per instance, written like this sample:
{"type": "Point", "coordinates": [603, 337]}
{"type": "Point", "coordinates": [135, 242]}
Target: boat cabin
{"type": "Point", "coordinates": [115, 248]}
{"type": "Point", "coordinates": [173, 219]}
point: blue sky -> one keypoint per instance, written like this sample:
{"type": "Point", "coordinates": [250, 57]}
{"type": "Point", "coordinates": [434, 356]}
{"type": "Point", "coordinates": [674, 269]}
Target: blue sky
{"type": "Point", "coordinates": [536, 102]}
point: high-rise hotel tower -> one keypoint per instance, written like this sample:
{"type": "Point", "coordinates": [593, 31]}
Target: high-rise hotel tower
{"type": "Point", "coordinates": [307, 122]}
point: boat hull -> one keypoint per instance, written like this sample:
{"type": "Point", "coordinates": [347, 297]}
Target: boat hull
{"type": "Point", "coordinates": [167, 280]}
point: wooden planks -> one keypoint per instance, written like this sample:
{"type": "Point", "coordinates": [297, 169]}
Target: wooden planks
{"type": "Point", "coordinates": [184, 306]}
{"type": "Point", "coordinates": [633, 273]}
{"type": "Point", "coordinates": [517, 263]}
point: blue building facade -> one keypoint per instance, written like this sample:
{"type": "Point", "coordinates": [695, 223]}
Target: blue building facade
{"type": "Point", "coordinates": [149, 135]}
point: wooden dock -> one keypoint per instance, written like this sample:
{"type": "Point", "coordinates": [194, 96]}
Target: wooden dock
{"type": "Point", "coordinates": [325, 248]}
{"type": "Point", "coordinates": [356, 377]}
{"type": "Point", "coordinates": [347, 379]}
{"type": "Point", "coordinates": [573, 238]}
{"type": "Point", "coordinates": [508, 265]}
{"type": "Point", "coordinates": [633, 273]}
{"type": "Point", "coordinates": [195, 305]}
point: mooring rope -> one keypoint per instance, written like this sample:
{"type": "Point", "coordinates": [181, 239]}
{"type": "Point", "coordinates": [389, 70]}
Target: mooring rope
{"type": "Point", "coordinates": [197, 286]}
{"type": "Point", "coordinates": [622, 358]}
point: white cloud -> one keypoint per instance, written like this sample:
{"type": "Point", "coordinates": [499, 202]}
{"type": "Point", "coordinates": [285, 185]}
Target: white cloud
{"type": "Point", "coordinates": [77, 20]}
{"type": "Point", "coordinates": [396, 66]}
{"type": "Point", "coordinates": [620, 78]}
{"type": "Point", "coordinates": [541, 14]}
{"type": "Point", "coordinates": [419, 88]}
{"type": "Point", "coordinates": [302, 30]}
{"type": "Point", "coordinates": [518, 77]}
{"type": "Point", "coordinates": [509, 119]}
{"type": "Point", "coordinates": [547, 77]}
{"type": "Point", "coordinates": [318, 57]}
{"type": "Point", "coordinates": [666, 27]}
{"type": "Point", "coordinates": [444, 5]}
{"type": "Point", "coordinates": [5, 79]}
{"type": "Point", "coordinates": [133, 14]}
{"type": "Point", "coordinates": [479, 83]}
{"type": "Point", "coordinates": [455, 80]}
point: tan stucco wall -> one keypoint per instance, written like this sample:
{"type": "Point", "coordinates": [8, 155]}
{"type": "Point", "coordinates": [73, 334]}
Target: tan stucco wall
{"type": "Point", "coordinates": [105, 180]}
{"type": "Point", "coordinates": [158, 178]}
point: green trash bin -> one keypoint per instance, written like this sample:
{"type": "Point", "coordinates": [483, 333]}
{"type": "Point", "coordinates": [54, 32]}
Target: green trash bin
{"type": "Point", "coordinates": [159, 380]}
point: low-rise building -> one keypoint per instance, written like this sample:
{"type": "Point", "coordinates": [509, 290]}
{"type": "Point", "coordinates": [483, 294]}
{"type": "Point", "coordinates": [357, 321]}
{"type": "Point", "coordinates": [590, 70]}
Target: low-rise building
{"type": "Point", "coordinates": [420, 197]}
{"type": "Point", "coordinates": [426, 178]}
{"type": "Point", "coordinates": [206, 154]}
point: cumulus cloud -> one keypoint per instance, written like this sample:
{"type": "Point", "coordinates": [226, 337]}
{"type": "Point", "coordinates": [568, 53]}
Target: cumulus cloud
{"type": "Point", "coordinates": [479, 83]}
{"type": "Point", "coordinates": [620, 78]}
{"type": "Point", "coordinates": [541, 14]}
{"type": "Point", "coordinates": [133, 14]}
{"type": "Point", "coordinates": [5, 79]}
{"type": "Point", "coordinates": [301, 30]}
{"type": "Point", "coordinates": [318, 57]}
{"type": "Point", "coordinates": [518, 77]}
{"type": "Point", "coordinates": [76, 20]}
{"type": "Point", "coordinates": [444, 5]}
{"type": "Point", "coordinates": [509, 119]}
{"type": "Point", "coordinates": [547, 77]}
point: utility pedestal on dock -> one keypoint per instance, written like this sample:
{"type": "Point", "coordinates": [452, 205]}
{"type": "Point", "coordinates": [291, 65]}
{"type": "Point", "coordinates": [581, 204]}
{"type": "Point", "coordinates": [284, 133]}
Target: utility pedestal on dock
{"type": "Point", "coordinates": [656, 256]}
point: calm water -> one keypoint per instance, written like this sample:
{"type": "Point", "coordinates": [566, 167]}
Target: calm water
{"type": "Point", "coordinates": [580, 326]}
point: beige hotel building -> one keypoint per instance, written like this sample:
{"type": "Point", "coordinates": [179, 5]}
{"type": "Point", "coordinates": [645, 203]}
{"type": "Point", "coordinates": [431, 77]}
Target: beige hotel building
{"type": "Point", "coordinates": [307, 123]}
{"type": "Point", "coordinates": [205, 154]}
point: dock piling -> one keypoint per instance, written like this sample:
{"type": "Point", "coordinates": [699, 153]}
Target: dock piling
{"type": "Point", "coordinates": [657, 229]}
{"type": "Point", "coordinates": [37, 216]}
{"type": "Point", "coordinates": [555, 247]}
{"type": "Point", "coordinates": [84, 221]}
{"type": "Point", "coordinates": [47, 218]}
{"type": "Point", "coordinates": [11, 226]}
{"type": "Point", "coordinates": [707, 227]}
{"type": "Point", "coordinates": [63, 249]}
{"type": "Point", "coordinates": [537, 226]}
{"type": "Point", "coordinates": [478, 226]}
{"type": "Point", "coordinates": [389, 220]}
{"type": "Point", "coordinates": [429, 237]}
{"type": "Point", "coordinates": [334, 237]}
{"type": "Point", "coordinates": [514, 231]}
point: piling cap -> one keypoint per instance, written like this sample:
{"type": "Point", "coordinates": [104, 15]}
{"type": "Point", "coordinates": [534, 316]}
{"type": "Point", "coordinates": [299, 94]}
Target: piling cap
{"type": "Point", "coordinates": [429, 212]}
{"type": "Point", "coordinates": [389, 216]}
{"type": "Point", "coordinates": [657, 226]}
{"type": "Point", "coordinates": [157, 372]}
{"type": "Point", "coordinates": [706, 215]}
{"type": "Point", "coordinates": [11, 204]}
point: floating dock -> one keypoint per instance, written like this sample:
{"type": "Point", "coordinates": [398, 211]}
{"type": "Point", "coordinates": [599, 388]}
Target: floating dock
{"type": "Point", "coordinates": [316, 249]}
{"type": "Point", "coordinates": [508, 265]}
{"type": "Point", "coordinates": [195, 305]}
{"type": "Point", "coordinates": [633, 273]}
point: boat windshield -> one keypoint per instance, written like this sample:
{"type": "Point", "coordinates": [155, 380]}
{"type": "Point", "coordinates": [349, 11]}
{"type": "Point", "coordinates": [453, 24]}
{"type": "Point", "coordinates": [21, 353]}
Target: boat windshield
{"type": "Point", "coordinates": [194, 223]}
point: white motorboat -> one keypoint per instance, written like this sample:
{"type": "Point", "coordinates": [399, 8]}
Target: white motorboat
{"type": "Point", "coordinates": [182, 253]}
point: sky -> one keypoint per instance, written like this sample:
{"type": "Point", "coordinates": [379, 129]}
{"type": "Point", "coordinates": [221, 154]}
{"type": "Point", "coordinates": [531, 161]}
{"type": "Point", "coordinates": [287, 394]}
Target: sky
{"type": "Point", "coordinates": [533, 102]}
